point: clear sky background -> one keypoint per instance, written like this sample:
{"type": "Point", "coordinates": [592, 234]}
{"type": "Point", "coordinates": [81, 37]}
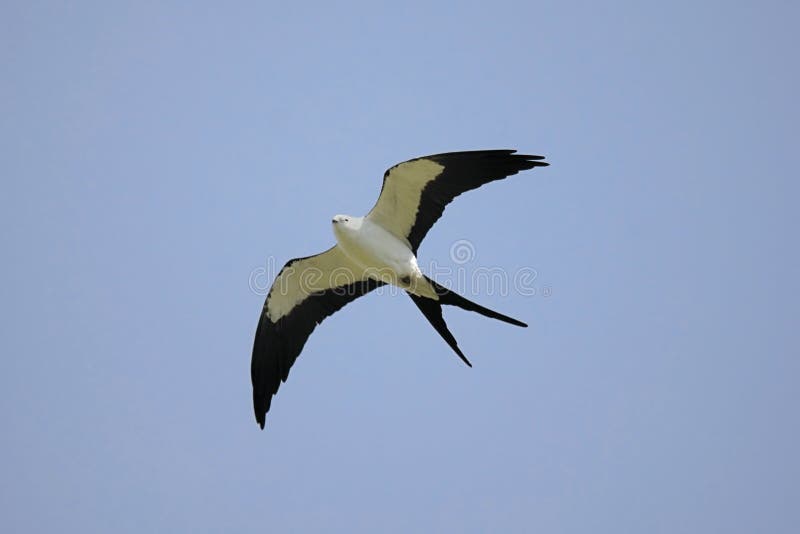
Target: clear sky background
{"type": "Point", "coordinates": [155, 155]}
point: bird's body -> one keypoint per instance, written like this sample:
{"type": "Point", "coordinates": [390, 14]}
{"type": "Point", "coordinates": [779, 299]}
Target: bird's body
{"type": "Point", "coordinates": [380, 253]}
{"type": "Point", "coordinates": [377, 249]}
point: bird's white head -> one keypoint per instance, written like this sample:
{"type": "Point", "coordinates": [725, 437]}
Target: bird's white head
{"type": "Point", "coordinates": [341, 219]}
{"type": "Point", "coordinates": [345, 223]}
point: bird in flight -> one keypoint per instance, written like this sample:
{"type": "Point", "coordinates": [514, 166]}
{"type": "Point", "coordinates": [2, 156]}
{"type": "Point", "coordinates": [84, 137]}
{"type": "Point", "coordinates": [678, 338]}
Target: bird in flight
{"type": "Point", "coordinates": [377, 249]}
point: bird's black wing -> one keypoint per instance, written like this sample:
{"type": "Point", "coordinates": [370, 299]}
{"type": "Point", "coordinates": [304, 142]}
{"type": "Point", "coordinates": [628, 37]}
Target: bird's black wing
{"type": "Point", "coordinates": [305, 292]}
{"type": "Point", "coordinates": [415, 192]}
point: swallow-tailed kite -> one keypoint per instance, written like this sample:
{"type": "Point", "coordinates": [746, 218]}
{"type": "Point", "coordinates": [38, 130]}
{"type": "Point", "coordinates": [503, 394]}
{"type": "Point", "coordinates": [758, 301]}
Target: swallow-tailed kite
{"type": "Point", "coordinates": [379, 248]}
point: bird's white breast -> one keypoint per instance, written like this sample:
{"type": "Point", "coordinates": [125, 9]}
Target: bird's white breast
{"type": "Point", "coordinates": [376, 249]}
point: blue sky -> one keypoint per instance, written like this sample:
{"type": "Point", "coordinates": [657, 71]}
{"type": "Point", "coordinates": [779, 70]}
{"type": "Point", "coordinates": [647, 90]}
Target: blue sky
{"type": "Point", "coordinates": [157, 154]}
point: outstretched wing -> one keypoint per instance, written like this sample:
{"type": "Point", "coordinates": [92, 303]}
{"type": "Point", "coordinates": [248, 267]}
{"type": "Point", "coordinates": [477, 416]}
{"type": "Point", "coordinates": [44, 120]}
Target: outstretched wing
{"type": "Point", "coordinates": [306, 291]}
{"type": "Point", "coordinates": [416, 192]}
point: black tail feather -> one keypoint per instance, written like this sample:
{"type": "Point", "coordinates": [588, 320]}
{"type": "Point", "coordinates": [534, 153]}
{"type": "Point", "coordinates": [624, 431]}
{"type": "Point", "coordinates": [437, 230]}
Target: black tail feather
{"type": "Point", "coordinates": [432, 310]}
{"type": "Point", "coordinates": [454, 299]}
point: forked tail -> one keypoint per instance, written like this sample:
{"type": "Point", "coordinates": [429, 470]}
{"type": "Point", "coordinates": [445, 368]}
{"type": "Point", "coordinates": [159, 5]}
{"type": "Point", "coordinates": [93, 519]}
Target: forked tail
{"type": "Point", "coordinates": [432, 310]}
